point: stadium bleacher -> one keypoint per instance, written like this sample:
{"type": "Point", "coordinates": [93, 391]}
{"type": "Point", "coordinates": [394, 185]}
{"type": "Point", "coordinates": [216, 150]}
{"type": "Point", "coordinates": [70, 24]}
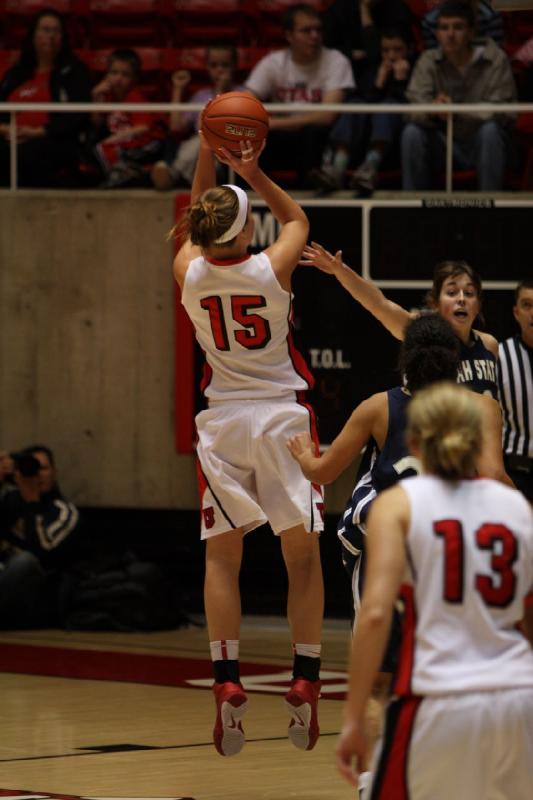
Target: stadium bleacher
{"type": "Point", "coordinates": [172, 34]}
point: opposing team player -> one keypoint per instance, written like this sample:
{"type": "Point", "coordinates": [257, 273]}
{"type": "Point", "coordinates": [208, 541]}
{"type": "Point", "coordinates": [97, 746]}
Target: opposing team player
{"type": "Point", "coordinates": [240, 306]}
{"type": "Point", "coordinates": [460, 720]}
{"type": "Point", "coordinates": [455, 294]}
{"type": "Point", "coordinates": [430, 352]}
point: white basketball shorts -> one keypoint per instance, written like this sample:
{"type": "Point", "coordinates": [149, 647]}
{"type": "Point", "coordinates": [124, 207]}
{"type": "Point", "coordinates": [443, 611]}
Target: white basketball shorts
{"type": "Point", "coordinates": [246, 474]}
{"type": "Point", "coordinates": [471, 746]}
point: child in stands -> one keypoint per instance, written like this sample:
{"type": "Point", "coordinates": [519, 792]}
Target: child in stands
{"type": "Point", "coordinates": [126, 140]}
{"type": "Point", "coordinates": [382, 131]}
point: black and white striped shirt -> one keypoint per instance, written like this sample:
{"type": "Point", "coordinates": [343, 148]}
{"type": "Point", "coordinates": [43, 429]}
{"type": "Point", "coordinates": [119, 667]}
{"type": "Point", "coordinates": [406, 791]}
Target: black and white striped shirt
{"type": "Point", "coordinates": [516, 396]}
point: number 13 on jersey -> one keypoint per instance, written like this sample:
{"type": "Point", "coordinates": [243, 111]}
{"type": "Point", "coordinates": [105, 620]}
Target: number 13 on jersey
{"type": "Point", "coordinates": [497, 589]}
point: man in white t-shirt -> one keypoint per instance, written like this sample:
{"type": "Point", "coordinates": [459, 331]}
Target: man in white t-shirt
{"type": "Point", "coordinates": [304, 72]}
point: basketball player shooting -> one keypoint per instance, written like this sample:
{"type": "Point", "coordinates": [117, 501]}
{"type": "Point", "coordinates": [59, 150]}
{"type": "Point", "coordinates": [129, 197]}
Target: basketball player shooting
{"type": "Point", "coordinates": [240, 306]}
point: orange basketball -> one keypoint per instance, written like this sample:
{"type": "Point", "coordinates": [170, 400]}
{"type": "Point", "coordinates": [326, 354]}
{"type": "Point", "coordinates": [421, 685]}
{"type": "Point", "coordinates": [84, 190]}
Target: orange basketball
{"type": "Point", "coordinates": [233, 117]}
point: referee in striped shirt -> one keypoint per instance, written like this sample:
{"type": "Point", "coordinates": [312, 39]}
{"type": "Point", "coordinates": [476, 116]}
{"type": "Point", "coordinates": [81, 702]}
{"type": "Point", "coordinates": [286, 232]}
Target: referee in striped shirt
{"type": "Point", "coordinates": [516, 393]}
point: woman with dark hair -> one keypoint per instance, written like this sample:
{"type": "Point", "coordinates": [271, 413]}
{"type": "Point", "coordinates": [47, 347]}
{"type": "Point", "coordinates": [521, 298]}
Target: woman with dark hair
{"type": "Point", "coordinates": [47, 71]}
{"type": "Point", "coordinates": [455, 294]}
{"type": "Point", "coordinates": [39, 539]}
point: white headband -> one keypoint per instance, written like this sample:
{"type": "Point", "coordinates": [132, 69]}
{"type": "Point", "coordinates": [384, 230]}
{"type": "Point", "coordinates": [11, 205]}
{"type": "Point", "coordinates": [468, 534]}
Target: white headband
{"type": "Point", "coordinates": [240, 220]}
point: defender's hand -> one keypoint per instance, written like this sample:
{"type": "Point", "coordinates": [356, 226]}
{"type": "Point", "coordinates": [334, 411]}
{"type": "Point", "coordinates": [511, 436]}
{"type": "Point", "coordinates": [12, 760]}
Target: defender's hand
{"type": "Point", "coordinates": [301, 445]}
{"type": "Point", "coordinates": [314, 255]}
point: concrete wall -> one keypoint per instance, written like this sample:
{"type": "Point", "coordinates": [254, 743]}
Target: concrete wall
{"type": "Point", "coordinates": [87, 345]}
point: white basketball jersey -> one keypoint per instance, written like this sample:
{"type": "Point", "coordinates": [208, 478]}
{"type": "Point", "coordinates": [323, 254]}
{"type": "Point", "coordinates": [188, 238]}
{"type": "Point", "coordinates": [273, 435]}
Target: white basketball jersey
{"type": "Point", "coordinates": [470, 556]}
{"type": "Point", "coordinates": [241, 316]}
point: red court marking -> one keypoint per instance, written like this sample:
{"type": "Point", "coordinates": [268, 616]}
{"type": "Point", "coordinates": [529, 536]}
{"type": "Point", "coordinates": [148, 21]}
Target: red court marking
{"type": "Point", "coordinates": [62, 662]}
{"type": "Point", "coordinates": [19, 794]}
{"type": "Point", "coordinates": [100, 665]}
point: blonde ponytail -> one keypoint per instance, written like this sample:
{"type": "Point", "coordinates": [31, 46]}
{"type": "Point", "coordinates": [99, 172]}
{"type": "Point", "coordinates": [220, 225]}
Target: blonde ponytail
{"type": "Point", "coordinates": [208, 218]}
{"type": "Point", "coordinates": [444, 420]}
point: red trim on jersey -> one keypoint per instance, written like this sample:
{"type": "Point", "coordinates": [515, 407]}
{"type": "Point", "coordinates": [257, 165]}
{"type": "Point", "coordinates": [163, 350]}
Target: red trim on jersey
{"type": "Point", "coordinates": [300, 399]}
{"type": "Point", "coordinates": [298, 361]}
{"type": "Point", "coordinates": [404, 670]}
{"type": "Point", "coordinates": [207, 374]}
{"type": "Point", "coordinates": [391, 774]}
{"type": "Point", "coordinates": [227, 262]}
{"type": "Point", "coordinates": [224, 649]}
{"type": "Point", "coordinates": [202, 483]}
{"type": "Point", "coordinates": [183, 362]}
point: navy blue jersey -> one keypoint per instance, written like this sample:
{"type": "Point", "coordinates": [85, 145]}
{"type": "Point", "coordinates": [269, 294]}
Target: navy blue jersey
{"type": "Point", "coordinates": [378, 470]}
{"type": "Point", "coordinates": [479, 367]}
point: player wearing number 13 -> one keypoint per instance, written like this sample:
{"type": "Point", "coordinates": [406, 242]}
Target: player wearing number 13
{"type": "Point", "coordinates": [460, 552]}
{"type": "Point", "coordinates": [240, 306]}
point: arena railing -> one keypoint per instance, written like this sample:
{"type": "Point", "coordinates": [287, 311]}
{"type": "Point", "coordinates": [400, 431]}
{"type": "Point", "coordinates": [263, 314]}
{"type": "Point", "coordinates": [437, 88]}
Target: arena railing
{"type": "Point", "coordinates": [447, 109]}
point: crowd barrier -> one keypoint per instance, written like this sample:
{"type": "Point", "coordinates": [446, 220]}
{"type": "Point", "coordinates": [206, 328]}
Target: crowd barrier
{"type": "Point", "coordinates": [447, 109]}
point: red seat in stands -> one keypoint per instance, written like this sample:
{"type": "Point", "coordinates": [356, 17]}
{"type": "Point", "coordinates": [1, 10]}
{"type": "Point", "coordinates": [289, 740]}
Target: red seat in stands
{"type": "Point", "coordinates": [204, 21]}
{"type": "Point", "coordinates": [7, 59]}
{"type": "Point", "coordinates": [129, 23]}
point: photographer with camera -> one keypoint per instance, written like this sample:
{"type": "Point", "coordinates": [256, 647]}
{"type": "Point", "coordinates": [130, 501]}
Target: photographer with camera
{"type": "Point", "coordinates": [39, 539]}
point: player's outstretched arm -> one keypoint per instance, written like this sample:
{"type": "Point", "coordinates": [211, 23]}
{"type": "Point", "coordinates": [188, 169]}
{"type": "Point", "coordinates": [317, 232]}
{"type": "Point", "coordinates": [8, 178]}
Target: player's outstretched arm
{"type": "Point", "coordinates": [204, 174]}
{"type": "Point", "coordinates": [281, 204]}
{"type": "Point", "coordinates": [204, 178]}
{"type": "Point", "coordinates": [286, 251]}
{"type": "Point", "coordinates": [344, 449]}
{"type": "Point", "coordinates": [391, 315]}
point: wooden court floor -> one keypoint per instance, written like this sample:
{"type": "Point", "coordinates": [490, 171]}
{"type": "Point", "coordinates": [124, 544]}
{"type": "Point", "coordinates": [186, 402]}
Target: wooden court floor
{"type": "Point", "coordinates": [130, 715]}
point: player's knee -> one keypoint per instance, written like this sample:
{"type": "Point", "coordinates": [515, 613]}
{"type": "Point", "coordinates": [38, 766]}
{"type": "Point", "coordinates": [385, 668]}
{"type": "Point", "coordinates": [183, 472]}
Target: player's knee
{"type": "Point", "coordinates": [224, 551]}
{"type": "Point", "coordinates": [301, 564]}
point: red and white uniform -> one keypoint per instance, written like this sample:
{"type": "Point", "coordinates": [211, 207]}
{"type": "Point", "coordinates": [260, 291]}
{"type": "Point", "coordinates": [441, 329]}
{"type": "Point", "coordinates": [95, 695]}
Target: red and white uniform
{"type": "Point", "coordinates": [241, 316]}
{"type": "Point", "coordinates": [461, 723]}
{"type": "Point", "coordinates": [254, 381]}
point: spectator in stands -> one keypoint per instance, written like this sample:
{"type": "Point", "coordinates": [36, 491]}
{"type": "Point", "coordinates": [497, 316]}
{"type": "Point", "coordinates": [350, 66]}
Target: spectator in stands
{"type": "Point", "coordinates": [39, 539]}
{"type": "Point", "coordinates": [47, 71]}
{"type": "Point", "coordinates": [126, 140]}
{"type": "Point", "coordinates": [523, 70]}
{"type": "Point", "coordinates": [524, 55]}
{"type": "Point", "coordinates": [305, 72]}
{"type": "Point", "coordinates": [488, 23]}
{"type": "Point", "coordinates": [355, 29]}
{"type": "Point", "coordinates": [459, 72]}
{"type": "Point", "coordinates": [380, 131]}
{"type": "Point", "coordinates": [516, 393]}
{"type": "Point", "coordinates": [177, 169]}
